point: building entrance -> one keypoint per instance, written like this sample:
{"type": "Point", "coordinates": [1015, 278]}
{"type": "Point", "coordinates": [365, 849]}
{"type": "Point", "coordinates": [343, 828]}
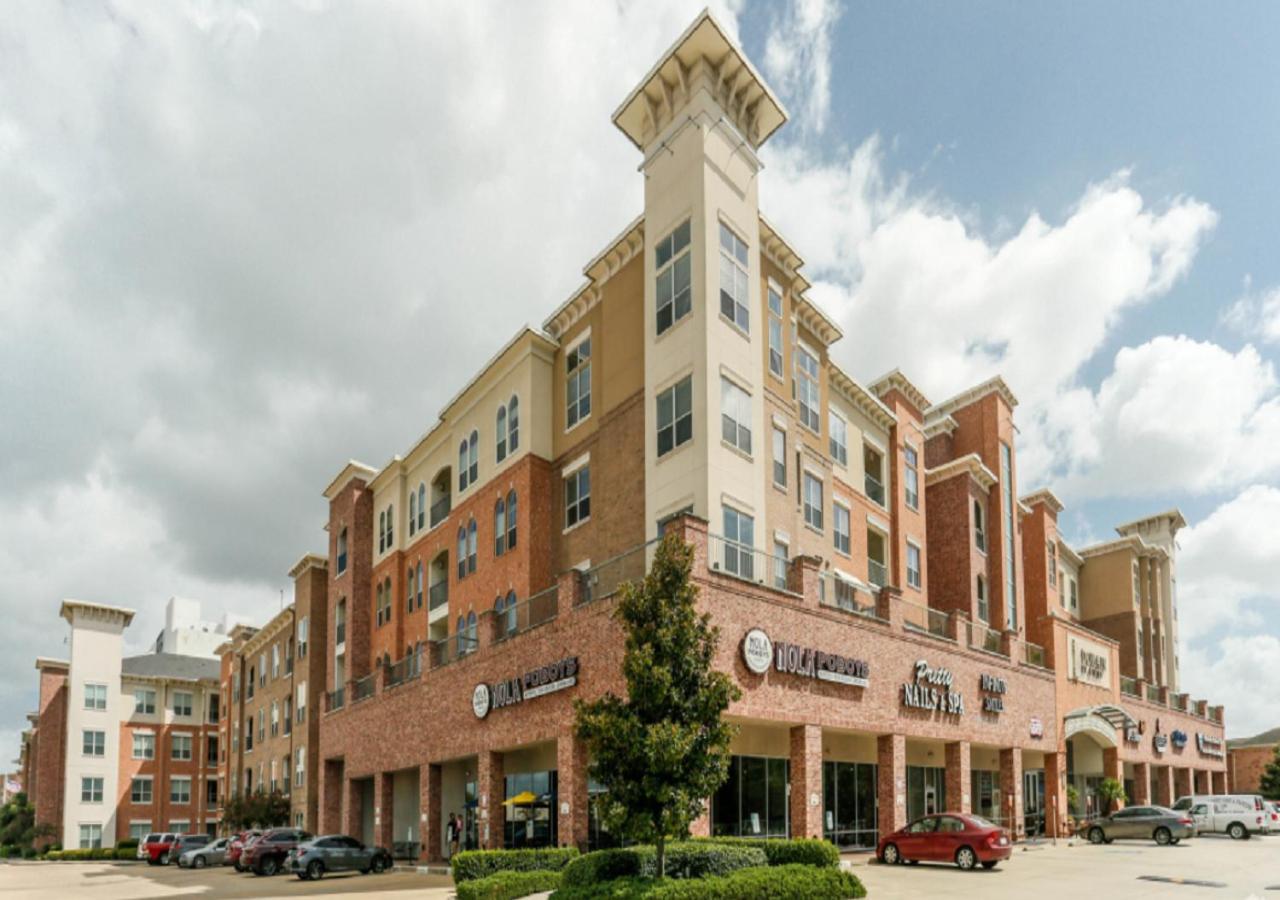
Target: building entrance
{"type": "Point", "coordinates": [926, 791]}
{"type": "Point", "coordinates": [752, 802]}
{"type": "Point", "coordinates": [849, 793]}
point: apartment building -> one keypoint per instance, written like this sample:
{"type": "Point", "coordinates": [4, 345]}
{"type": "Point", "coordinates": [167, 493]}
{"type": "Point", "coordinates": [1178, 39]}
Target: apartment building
{"type": "Point", "coordinates": [269, 738]}
{"type": "Point", "coordinates": [122, 745]}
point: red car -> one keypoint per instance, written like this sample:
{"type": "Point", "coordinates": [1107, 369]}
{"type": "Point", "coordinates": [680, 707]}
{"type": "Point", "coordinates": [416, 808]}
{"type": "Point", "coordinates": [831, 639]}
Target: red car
{"type": "Point", "coordinates": [166, 848]}
{"type": "Point", "coordinates": [964, 839]}
{"type": "Point", "coordinates": [236, 848]}
{"type": "Point", "coordinates": [267, 855]}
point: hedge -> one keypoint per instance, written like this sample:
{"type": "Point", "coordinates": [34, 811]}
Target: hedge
{"type": "Point", "coordinates": [472, 864]}
{"type": "Point", "coordinates": [508, 885]}
{"type": "Point", "coordinates": [801, 851]}
{"type": "Point", "coordinates": [687, 859]}
{"type": "Point", "coordinates": [92, 853]}
{"type": "Point", "coordinates": [786, 882]}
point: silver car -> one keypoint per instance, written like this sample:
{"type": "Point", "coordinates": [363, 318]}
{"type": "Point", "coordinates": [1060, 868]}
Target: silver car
{"type": "Point", "coordinates": [1152, 823]}
{"type": "Point", "coordinates": [336, 853]}
{"type": "Point", "coordinates": [211, 854]}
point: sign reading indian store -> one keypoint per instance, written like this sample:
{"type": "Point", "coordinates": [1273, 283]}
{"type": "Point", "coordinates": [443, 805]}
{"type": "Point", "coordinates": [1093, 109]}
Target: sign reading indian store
{"type": "Point", "coordinates": [759, 653]}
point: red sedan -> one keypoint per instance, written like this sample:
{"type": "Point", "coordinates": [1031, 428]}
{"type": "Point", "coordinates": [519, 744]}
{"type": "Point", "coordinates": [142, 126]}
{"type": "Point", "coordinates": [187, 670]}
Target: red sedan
{"type": "Point", "coordinates": [964, 839]}
{"type": "Point", "coordinates": [236, 848]}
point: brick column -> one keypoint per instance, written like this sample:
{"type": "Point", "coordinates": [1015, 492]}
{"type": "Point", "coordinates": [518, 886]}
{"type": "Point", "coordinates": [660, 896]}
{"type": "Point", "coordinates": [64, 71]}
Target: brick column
{"type": "Point", "coordinates": [569, 590]}
{"type": "Point", "coordinates": [958, 780]}
{"type": "Point", "coordinates": [1219, 782]}
{"type": "Point", "coordinates": [1141, 784]}
{"type": "Point", "coordinates": [1011, 789]}
{"type": "Point", "coordinates": [889, 607]}
{"type": "Point", "coordinates": [430, 817]}
{"type": "Point", "coordinates": [330, 797]}
{"type": "Point", "coordinates": [804, 577]}
{"type": "Point", "coordinates": [1164, 786]}
{"type": "Point", "coordinates": [490, 784]}
{"type": "Point", "coordinates": [1181, 782]}
{"type": "Point", "coordinates": [384, 808]}
{"type": "Point", "coordinates": [1201, 779]}
{"type": "Point", "coordinates": [806, 781]}
{"type": "Point", "coordinates": [1055, 794]}
{"type": "Point", "coordinates": [571, 767]}
{"type": "Point", "coordinates": [351, 809]}
{"type": "Point", "coordinates": [891, 789]}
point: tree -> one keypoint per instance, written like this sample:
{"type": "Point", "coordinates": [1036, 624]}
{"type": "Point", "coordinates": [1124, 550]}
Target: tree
{"type": "Point", "coordinates": [1111, 792]}
{"type": "Point", "coordinates": [256, 810]}
{"type": "Point", "coordinates": [1269, 786]}
{"type": "Point", "coordinates": [664, 749]}
{"type": "Point", "coordinates": [17, 821]}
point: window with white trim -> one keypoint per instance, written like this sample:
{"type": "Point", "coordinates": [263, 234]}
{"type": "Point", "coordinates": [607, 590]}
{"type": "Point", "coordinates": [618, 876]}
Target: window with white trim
{"type": "Point", "coordinates": [90, 837]}
{"type": "Point", "coordinates": [138, 831]}
{"type": "Point", "coordinates": [500, 434]}
{"type": "Point", "coordinates": [94, 743]}
{"type": "Point", "coordinates": [780, 554]}
{"type": "Point", "coordinates": [95, 696]}
{"type": "Point", "coordinates": [733, 279]}
{"type": "Point", "coordinates": [979, 526]}
{"type": "Point", "coordinates": [513, 424]}
{"type": "Point", "coordinates": [674, 266]}
{"type": "Point", "coordinates": [807, 393]}
{"type": "Point", "coordinates": [839, 430]}
{"type": "Point", "coordinates": [775, 330]}
{"type": "Point", "coordinates": [91, 789]}
{"type": "Point", "coordinates": [813, 501]}
{"type": "Point", "coordinates": [577, 496]}
{"type": "Point", "coordinates": [779, 457]}
{"type": "Point", "coordinates": [1053, 563]}
{"type": "Point", "coordinates": [840, 527]}
{"type": "Point", "coordinates": [913, 565]}
{"type": "Point", "coordinates": [577, 365]}
{"type": "Point", "coordinates": [180, 747]}
{"type": "Point", "coordinates": [911, 476]}
{"type": "Point", "coordinates": [140, 789]}
{"type": "Point", "coordinates": [735, 415]}
{"type": "Point", "coordinates": [302, 702]}
{"type": "Point", "coordinates": [984, 609]}
{"type": "Point", "coordinates": [675, 415]}
{"type": "Point", "coordinates": [144, 701]}
{"type": "Point", "coordinates": [300, 767]}
{"type": "Point", "coordinates": [739, 540]}
{"type": "Point", "coordinates": [144, 745]}
{"type": "Point", "coordinates": [179, 789]}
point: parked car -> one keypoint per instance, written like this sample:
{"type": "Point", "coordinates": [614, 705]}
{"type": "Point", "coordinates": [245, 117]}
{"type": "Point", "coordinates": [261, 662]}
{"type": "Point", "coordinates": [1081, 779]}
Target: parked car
{"type": "Point", "coordinates": [962, 838]}
{"type": "Point", "coordinates": [1156, 823]}
{"type": "Point", "coordinates": [1239, 815]}
{"type": "Point", "coordinates": [213, 853]}
{"type": "Point", "coordinates": [152, 838]}
{"type": "Point", "coordinates": [1272, 817]}
{"type": "Point", "coordinates": [237, 845]}
{"type": "Point", "coordinates": [337, 853]}
{"type": "Point", "coordinates": [267, 855]}
{"type": "Point", "coordinates": [169, 847]}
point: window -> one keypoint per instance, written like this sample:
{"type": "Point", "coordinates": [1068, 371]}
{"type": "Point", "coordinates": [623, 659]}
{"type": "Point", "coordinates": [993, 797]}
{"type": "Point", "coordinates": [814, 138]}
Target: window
{"type": "Point", "coordinates": [408, 590]}
{"type": "Point", "coordinates": [248, 735]}
{"type": "Point", "coordinates": [462, 552]}
{"type": "Point", "coordinates": [735, 415]}
{"type": "Point", "coordinates": [473, 457]}
{"type": "Point", "coordinates": [1053, 563]}
{"type": "Point", "coordinates": [463, 469]}
{"type": "Point", "coordinates": [144, 700]}
{"type": "Point", "coordinates": [979, 527]}
{"type": "Point", "coordinates": [144, 745]}
{"type": "Point", "coordinates": [95, 696]}
{"type": "Point", "coordinates": [181, 747]}
{"type": "Point", "coordinates": [91, 789]}
{"type": "Point", "coordinates": [911, 476]}
{"type": "Point", "coordinates": [733, 279]}
{"type": "Point", "coordinates": [739, 539]}
{"type": "Point", "coordinates": [138, 831]}
{"type": "Point", "coordinates": [422, 505]}
{"type": "Point", "coordinates": [675, 415]}
{"type": "Point", "coordinates": [300, 767]}
{"type": "Point", "coordinates": [913, 565]}
{"type": "Point", "coordinates": [275, 661]}
{"type": "Point", "coordinates": [304, 633]}
{"type": "Point", "coordinates": [840, 527]}
{"type": "Point", "coordinates": [577, 384]}
{"type": "Point", "coordinates": [90, 837]}
{"type": "Point", "coordinates": [179, 826]}
{"type": "Point", "coordinates": [511, 524]}
{"type": "Point", "coordinates": [807, 388]}
{"type": "Point", "coordinates": [342, 551]}
{"type": "Point", "coordinates": [418, 593]}
{"type": "Point", "coordinates": [500, 526]}
{"type": "Point", "coordinates": [140, 790]}
{"type": "Point", "coordinates": [210, 748]}
{"type": "Point", "coordinates": [780, 565]}
{"type": "Point", "coordinates": [179, 790]}
{"type": "Point", "coordinates": [1075, 599]}
{"type": "Point", "coordinates": [672, 261]}
{"type": "Point", "coordinates": [984, 611]}
{"type": "Point", "coordinates": [873, 464]}
{"type": "Point", "coordinates": [1010, 584]}
{"type": "Point", "coordinates": [382, 531]}
{"type": "Point", "coordinates": [211, 792]}
{"type": "Point", "coordinates": [507, 613]}
{"type": "Point", "coordinates": [262, 724]}
{"type": "Point", "coordinates": [812, 501]}
{"type": "Point", "coordinates": [471, 546]}
{"type": "Point", "coordinates": [839, 438]}
{"type": "Point", "coordinates": [577, 497]}
{"type": "Point", "coordinates": [775, 329]}
{"type": "Point", "coordinates": [94, 743]}
{"type": "Point", "coordinates": [275, 718]}
{"type": "Point", "coordinates": [500, 429]}
{"type": "Point", "coordinates": [248, 690]}
{"type": "Point", "coordinates": [779, 457]}
{"type": "Point", "coordinates": [384, 603]}
{"type": "Point", "coordinates": [262, 668]}
{"type": "Point", "coordinates": [302, 702]}
{"type": "Point", "coordinates": [235, 685]}
{"type": "Point", "coordinates": [513, 425]}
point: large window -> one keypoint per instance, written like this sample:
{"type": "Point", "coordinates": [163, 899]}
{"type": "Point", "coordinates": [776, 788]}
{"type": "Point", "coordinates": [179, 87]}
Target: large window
{"type": "Point", "coordinates": [735, 415]}
{"type": "Point", "coordinates": [90, 837]}
{"type": "Point", "coordinates": [91, 789]}
{"type": "Point", "coordinates": [779, 457]}
{"type": "Point", "coordinates": [94, 743]}
{"type": "Point", "coordinates": [577, 383]}
{"type": "Point", "coordinates": [179, 789]}
{"type": "Point", "coordinates": [807, 388]}
{"type": "Point", "coordinates": [675, 415]}
{"type": "Point", "coordinates": [577, 497]}
{"type": "Point", "coordinates": [739, 540]}
{"type": "Point", "coordinates": [752, 802]}
{"type": "Point", "coordinates": [1052, 551]}
{"type": "Point", "coordinates": [500, 526]}
{"type": "Point", "coordinates": [530, 822]}
{"type": "Point", "coordinates": [979, 526]}
{"type": "Point", "coordinates": [839, 439]}
{"type": "Point", "coordinates": [511, 521]}
{"type": "Point", "coordinates": [840, 518]}
{"type": "Point", "coordinates": [775, 329]}
{"type": "Point", "coordinates": [472, 546]}
{"type": "Point", "coordinates": [849, 807]}
{"type": "Point", "coordinates": [1010, 583]}
{"type": "Point", "coordinates": [183, 702]}
{"type": "Point", "coordinates": [913, 565]}
{"type": "Point", "coordinates": [733, 279]}
{"type": "Point", "coordinates": [673, 261]}
{"type": "Point", "coordinates": [812, 501]}
{"type": "Point", "coordinates": [144, 745]}
{"type": "Point", "coordinates": [181, 747]}
{"type": "Point", "coordinates": [508, 428]}
{"type": "Point", "coordinates": [95, 696]}
{"type": "Point", "coordinates": [140, 790]}
{"type": "Point", "coordinates": [342, 551]}
{"type": "Point", "coordinates": [144, 701]}
{"type": "Point", "coordinates": [911, 476]}
{"type": "Point", "coordinates": [984, 609]}
{"type": "Point", "coordinates": [926, 790]}
{"type": "Point", "coordinates": [873, 466]}
{"type": "Point", "coordinates": [462, 552]}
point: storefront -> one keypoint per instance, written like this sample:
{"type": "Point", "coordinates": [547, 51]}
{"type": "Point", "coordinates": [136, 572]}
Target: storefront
{"type": "Point", "coordinates": [530, 815]}
{"type": "Point", "coordinates": [849, 804]}
{"type": "Point", "coordinates": [752, 802]}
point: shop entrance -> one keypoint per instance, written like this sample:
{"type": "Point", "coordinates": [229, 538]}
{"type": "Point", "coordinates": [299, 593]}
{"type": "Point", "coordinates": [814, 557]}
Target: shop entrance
{"type": "Point", "coordinates": [752, 802]}
{"type": "Point", "coordinates": [849, 794]}
{"type": "Point", "coordinates": [926, 791]}
{"type": "Point", "coordinates": [1033, 802]}
{"type": "Point", "coordinates": [984, 797]}
{"type": "Point", "coordinates": [1084, 774]}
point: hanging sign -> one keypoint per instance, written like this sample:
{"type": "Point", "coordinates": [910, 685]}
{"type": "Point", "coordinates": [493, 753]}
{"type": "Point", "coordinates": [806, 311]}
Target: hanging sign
{"type": "Point", "coordinates": [1037, 727]}
{"type": "Point", "coordinates": [547, 679]}
{"type": "Point", "coordinates": [1160, 743]}
{"type": "Point", "coordinates": [931, 690]}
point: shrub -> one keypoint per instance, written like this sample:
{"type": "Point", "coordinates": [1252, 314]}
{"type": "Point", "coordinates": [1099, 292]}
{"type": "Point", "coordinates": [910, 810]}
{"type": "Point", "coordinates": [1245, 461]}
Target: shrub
{"type": "Point", "coordinates": [786, 882]}
{"type": "Point", "coordinates": [126, 853]}
{"type": "Point", "coordinates": [801, 851]}
{"type": "Point", "coordinates": [127, 844]}
{"type": "Point", "coordinates": [26, 852]}
{"type": "Point", "coordinates": [53, 855]}
{"type": "Point", "coordinates": [690, 859]}
{"type": "Point", "coordinates": [508, 884]}
{"type": "Point", "coordinates": [472, 864]}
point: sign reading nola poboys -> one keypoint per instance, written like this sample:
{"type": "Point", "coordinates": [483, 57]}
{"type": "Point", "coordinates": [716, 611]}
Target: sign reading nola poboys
{"type": "Point", "coordinates": [931, 690]}
{"type": "Point", "coordinates": [535, 683]}
{"type": "Point", "coordinates": [759, 653]}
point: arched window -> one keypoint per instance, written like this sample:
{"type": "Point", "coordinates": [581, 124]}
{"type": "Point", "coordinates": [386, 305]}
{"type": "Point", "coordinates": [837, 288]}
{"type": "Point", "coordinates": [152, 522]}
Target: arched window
{"type": "Point", "coordinates": [462, 466]}
{"type": "Point", "coordinates": [422, 505]}
{"type": "Point", "coordinates": [413, 515]}
{"type": "Point", "coordinates": [499, 526]}
{"type": "Point", "coordinates": [500, 609]}
{"type": "Point", "coordinates": [391, 518]}
{"type": "Point", "coordinates": [473, 457]}
{"type": "Point", "coordinates": [462, 635]}
{"type": "Point", "coordinates": [408, 594]}
{"type": "Point", "coordinates": [511, 520]}
{"type": "Point", "coordinates": [378, 605]}
{"type": "Point", "coordinates": [513, 424]}
{"type": "Point", "coordinates": [382, 531]}
{"type": "Point", "coordinates": [419, 584]}
{"type": "Point", "coordinates": [513, 614]}
{"type": "Point", "coordinates": [501, 433]}
{"type": "Point", "coordinates": [471, 546]}
{"type": "Point", "coordinates": [462, 553]}
{"type": "Point", "coordinates": [473, 633]}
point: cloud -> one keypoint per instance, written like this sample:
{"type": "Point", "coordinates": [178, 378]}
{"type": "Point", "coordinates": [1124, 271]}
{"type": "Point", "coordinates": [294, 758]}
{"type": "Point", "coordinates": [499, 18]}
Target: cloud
{"type": "Point", "coordinates": [797, 59]}
{"type": "Point", "coordinates": [1236, 673]}
{"type": "Point", "coordinates": [1255, 315]}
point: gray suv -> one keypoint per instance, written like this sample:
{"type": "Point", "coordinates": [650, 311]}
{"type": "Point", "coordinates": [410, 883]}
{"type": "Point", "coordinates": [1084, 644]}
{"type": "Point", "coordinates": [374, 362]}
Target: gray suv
{"type": "Point", "coordinates": [1153, 823]}
{"type": "Point", "coordinates": [336, 853]}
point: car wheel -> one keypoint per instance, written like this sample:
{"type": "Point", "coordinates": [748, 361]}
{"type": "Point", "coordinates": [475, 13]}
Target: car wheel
{"type": "Point", "coordinates": [270, 866]}
{"type": "Point", "coordinates": [379, 865]}
{"type": "Point", "coordinates": [1237, 832]}
{"type": "Point", "coordinates": [1174, 840]}
{"type": "Point", "coordinates": [966, 859]}
{"type": "Point", "coordinates": [990, 864]}
{"type": "Point", "coordinates": [889, 856]}
{"type": "Point", "coordinates": [1096, 835]}
{"type": "Point", "coordinates": [198, 863]}
{"type": "Point", "coordinates": [315, 869]}
{"type": "Point", "coordinates": [164, 858]}
{"type": "Point", "coordinates": [1162, 836]}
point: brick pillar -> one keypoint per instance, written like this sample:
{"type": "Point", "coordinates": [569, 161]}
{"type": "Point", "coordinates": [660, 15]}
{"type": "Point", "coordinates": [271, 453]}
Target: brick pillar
{"type": "Point", "coordinates": [430, 817]}
{"type": "Point", "coordinates": [891, 789]}
{"type": "Point", "coordinates": [571, 767]}
{"type": "Point", "coordinates": [958, 781]}
{"type": "Point", "coordinates": [1055, 794]}
{"type": "Point", "coordinates": [1011, 789]}
{"type": "Point", "coordinates": [1201, 777]}
{"type": "Point", "coordinates": [803, 578]}
{"type": "Point", "coordinates": [806, 781]}
{"type": "Point", "coordinates": [491, 786]}
{"type": "Point", "coordinates": [383, 809]}
{"type": "Point", "coordinates": [351, 809]}
{"type": "Point", "coordinates": [1219, 782]}
{"type": "Point", "coordinates": [1112, 767]}
{"type": "Point", "coordinates": [1181, 782]}
{"type": "Point", "coordinates": [1141, 784]}
{"type": "Point", "coordinates": [569, 590]}
{"type": "Point", "coordinates": [330, 797]}
{"type": "Point", "coordinates": [1164, 785]}
{"type": "Point", "coordinates": [889, 607]}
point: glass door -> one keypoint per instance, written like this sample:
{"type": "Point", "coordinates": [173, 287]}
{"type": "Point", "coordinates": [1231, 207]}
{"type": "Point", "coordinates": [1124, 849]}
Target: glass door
{"type": "Point", "coordinates": [1033, 802]}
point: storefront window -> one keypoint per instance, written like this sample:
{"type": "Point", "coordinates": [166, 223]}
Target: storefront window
{"type": "Point", "coordinates": [470, 839]}
{"type": "Point", "coordinates": [598, 837]}
{"type": "Point", "coordinates": [1033, 801]}
{"type": "Point", "coordinates": [753, 800]}
{"type": "Point", "coordinates": [849, 808]}
{"type": "Point", "coordinates": [530, 810]}
{"type": "Point", "coordinates": [985, 794]}
{"type": "Point", "coordinates": [926, 790]}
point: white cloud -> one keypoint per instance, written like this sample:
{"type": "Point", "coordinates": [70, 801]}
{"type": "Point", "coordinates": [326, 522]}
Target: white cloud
{"type": "Point", "coordinates": [1237, 672]}
{"type": "Point", "coordinates": [1256, 315]}
{"type": "Point", "coordinates": [797, 59]}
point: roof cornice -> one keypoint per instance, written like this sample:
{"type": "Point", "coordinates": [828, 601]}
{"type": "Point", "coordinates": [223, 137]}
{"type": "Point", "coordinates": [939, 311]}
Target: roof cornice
{"type": "Point", "coordinates": [944, 425]}
{"type": "Point", "coordinates": [968, 397]}
{"type": "Point", "coordinates": [1173, 516]}
{"type": "Point", "coordinates": [99, 611]}
{"type": "Point", "coordinates": [45, 662]}
{"type": "Point", "coordinates": [811, 316]}
{"type": "Point", "coordinates": [308, 561]}
{"type": "Point", "coordinates": [350, 471]}
{"type": "Point", "coordinates": [278, 623]}
{"type": "Point", "coordinates": [1065, 550]}
{"type": "Point", "coordinates": [895, 380]}
{"type": "Point", "coordinates": [620, 251]}
{"type": "Point", "coordinates": [1045, 496]}
{"type": "Point", "coordinates": [1130, 542]}
{"type": "Point", "coordinates": [859, 397]}
{"type": "Point", "coordinates": [970, 464]}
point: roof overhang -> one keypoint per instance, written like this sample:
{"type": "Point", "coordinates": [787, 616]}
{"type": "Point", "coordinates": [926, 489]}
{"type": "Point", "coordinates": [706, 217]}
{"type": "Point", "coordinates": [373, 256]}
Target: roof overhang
{"type": "Point", "coordinates": [1173, 516]}
{"type": "Point", "coordinates": [308, 561]}
{"type": "Point", "coordinates": [1045, 496]}
{"type": "Point", "coordinates": [970, 464]}
{"type": "Point", "coordinates": [994, 385]}
{"type": "Point", "coordinates": [859, 397]}
{"type": "Point", "coordinates": [895, 380]}
{"type": "Point", "coordinates": [101, 611]}
{"type": "Point", "coordinates": [350, 471]}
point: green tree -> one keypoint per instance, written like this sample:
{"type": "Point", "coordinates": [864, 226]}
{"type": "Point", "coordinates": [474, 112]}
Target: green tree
{"type": "Point", "coordinates": [256, 810]}
{"type": "Point", "coordinates": [664, 749]}
{"type": "Point", "coordinates": [17, 821]}
{"type": "Point", "coordinates": [1111, 792]}
{"type": "Point", "coordinates": [1269, 786]}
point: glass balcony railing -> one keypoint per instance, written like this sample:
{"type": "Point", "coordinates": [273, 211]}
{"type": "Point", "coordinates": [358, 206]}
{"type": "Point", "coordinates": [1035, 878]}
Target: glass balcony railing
{"type": "Point", "coordinates": [437, 595]}
{"type": "Point", "coordinates": [925, 619]}
{"type": "Point", "coordinates": [440, 510]}
{"type": "Point", "coordinates": [875, 490]}
{"type": "Point", "coordinates": [981, 637]}
{"type": "Point", "coordinates": [1128, 686]}
{"type": "Point", "coordinates": [877, 573]}
{"type": "Point", "coordinates": [1033, 655]}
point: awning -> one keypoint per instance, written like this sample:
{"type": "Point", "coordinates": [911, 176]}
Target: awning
{"type": "Point", "coordinates": [851, 580]}
{"type": "Point", "coordinates": [1114, 716]}
{"type": "Point", "coordinates": [524, 798]}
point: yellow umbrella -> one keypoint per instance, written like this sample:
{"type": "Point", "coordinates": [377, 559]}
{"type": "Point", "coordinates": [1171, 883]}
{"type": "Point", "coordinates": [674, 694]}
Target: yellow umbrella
{"type": "Point", "coordinates": [522, 799]}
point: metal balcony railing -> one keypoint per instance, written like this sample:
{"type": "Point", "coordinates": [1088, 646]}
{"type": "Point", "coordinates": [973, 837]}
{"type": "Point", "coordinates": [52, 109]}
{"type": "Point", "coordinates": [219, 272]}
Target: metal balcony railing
{"type": "Point", "coordinates": [363, 689]}
{"type": "Point", "coordinates": [337, 698]}
{"type": "Point", "coordinates": [518, 618]}
{"type": "Point", "coordinates": [440, 510]}
{"type": "Point", "coordinates": [748, 563]}
{"type": "Point", "coordinates": [875, 490]}
{"type": "Point", "coordinates": [605, 579]}
{"type": "Point", "coordinates": [925, 619]}
{"type": "Point", "coordinates": [437, 595]}
{"type": "Point", "coordinates": [406, 669]}
{"type": "Point", "coordinates": [877, 573]}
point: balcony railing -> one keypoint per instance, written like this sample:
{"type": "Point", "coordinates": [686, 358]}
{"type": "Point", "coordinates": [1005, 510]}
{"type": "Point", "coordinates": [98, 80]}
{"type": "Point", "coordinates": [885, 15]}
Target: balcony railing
{"type": "Point", "coordinates": [875, 490]}
{"type": "Point", "coordinates": [338, 698]}
{"type": "Point", "coordinates": [452, 648]}
{"type": "Point", "coordinates": [748, 563]}
{"type": "Point", "coordinates": [518, 618]}
{"type": "Point", "coordinates": [437, 595]}
{"type": "Point", "coordinates": [1128, 686]}
{"type": "Point", "coordinates": [925, 619]}
{"type": "Point", "coordinates": [877, 574]}
{"type": "Point", "coordinates": [406, 669]}
{"type": "Point", "coordinates": [340, 633]}
{"type": "Point", "coordinates": [1179, 702]}
{"type": "Point", "coordinates": [983, 638]}
{"type": "Point", "coordinates": [605, 579]}
{"type": "Point", "coordinates": [363, 689]}
{"type": "Point", "coordinates": [1033, 655]}
{"type": "Point", "coordinates": [1153, 693]}
{"type": "Point", "coordinates": [440, 510]}
{"type": "Point", "coordinates": [1215, 716]}
{"type": "Point", "coordinates": [836, 593]}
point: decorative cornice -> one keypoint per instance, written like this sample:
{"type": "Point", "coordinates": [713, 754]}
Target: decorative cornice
{"type": "Point", "coordinates": [1129, 542]}
{"type": "Point", "coordinates": [1065, 551]}
{"type": "Point", "coordinates": [895, 380]}
{"type": "Point", "coordinates": [861, 399]}
{"type": "Point", "coordinates": [308, 561]}
{"type": "Point", "coordinates": [599, 270]}
{"type": "Point", "coordinates": [44, 662]}
{"type": "Point", "coordinates": [351, 470]}
{"type": "Point", "coordinates": [1173, 516]}
{"type": "Point", "coordinates": [278, 623]}
{"type": "Point", "coordinates": [970, 465]}
{"type": "Point", "coordinates": [994, 385]}
{"type": "Point", "coordinates": [813, 318]}
{"type": "Point", "coordinates": [943, 425]}
{"type": "Point", "coordinates": [1045, 496]}
{"type": "Point", "coordinates": [776, 249]}
{"type": "Point", "coordinates": [98, 611]}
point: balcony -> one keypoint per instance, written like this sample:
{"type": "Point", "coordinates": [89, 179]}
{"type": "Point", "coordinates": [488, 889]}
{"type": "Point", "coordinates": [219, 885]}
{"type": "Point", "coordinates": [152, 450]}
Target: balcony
{"type": "Point", "coordinates": [406, 669]}
{"type": "Point", "coordinates": [364, 688]}
{"type": "Point", "coordinates": [437, 595]}
{"type": "Point", "coordinates": [925, 619]}
{"type": "Point", "coordinates": [747, 563]}
{"type": "Point", "coordinates": [875, 490]}
{"type": "Point", "coordinates": [1153, 693]}
{"type": "Point", "coordinates": [877, 573]}
{"type": "Point", "coordinates": [337, 699]}
{"type": "Point", "coordinates": [981, 637]}
{"type": "Point", "coordinates": [1033, 655]}
{"type": "Point", "coordinates": [1129, 686]}
{"type": "Point", "coordinates": [440, 510]}
{"type": "Point", "coordinates": [340, 633]}
{"type": "Point", "coordinates": [518, 618]}
{"type": "Point", "coordinates": [837, 593]}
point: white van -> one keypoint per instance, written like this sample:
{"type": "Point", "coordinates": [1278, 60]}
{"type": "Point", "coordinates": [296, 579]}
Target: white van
{"type": "Point", "coordinates": [1239, 815]}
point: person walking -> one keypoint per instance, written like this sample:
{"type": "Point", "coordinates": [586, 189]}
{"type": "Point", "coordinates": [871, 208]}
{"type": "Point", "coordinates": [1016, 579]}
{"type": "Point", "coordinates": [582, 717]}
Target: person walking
{"type": "Point", "coordinates": [451, 833]}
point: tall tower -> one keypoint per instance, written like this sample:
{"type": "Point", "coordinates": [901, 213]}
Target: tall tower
{"type": "Point", "coordinates": [1161, 530]}
{"type": "Point", "coordinates": [699, 117]}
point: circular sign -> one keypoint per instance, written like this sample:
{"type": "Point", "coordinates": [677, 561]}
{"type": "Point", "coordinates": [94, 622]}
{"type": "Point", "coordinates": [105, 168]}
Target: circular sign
{"type": "Point", "coordinates": [480, 701]}
{"type": "Point", "coordinates": [757, 651]}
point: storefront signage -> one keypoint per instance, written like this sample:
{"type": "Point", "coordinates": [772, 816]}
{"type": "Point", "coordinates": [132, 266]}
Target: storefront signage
{"type": "Point", "coordinates": [993, 690]}
{"type": "Point", "coordinates": [1160, 742]}
{"type": "Point", "coordinates": [931, 690]}
{"type": "Point", "coordinates": [535, 683]}
{"type": "Point", "coordinates": [1037, 727]}
{"type": "Point", "coordinates": [1209, 745]}
{"type": "Point", "coordinates": [1089, 661]}
{"type": "Point", "coordinates": [759, 652]}
{"type": "Point", "coordinates": [1179, 739]}
{"type": "Point", "coordinates": [1133, 734]}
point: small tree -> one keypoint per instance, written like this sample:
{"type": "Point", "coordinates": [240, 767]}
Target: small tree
{"type": "Point", "coordinates": [256, 810]}
{"type": "Point", "coordinates": [664, 749]}
{"type": "Point", "coordinates": [1269, 786]}
{"type": "Point", "coordinates": [1111, 792]}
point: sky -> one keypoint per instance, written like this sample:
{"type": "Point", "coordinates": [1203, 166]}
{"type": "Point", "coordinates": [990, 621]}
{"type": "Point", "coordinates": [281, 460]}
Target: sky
{"type": "Point", "coordinates": [239, 245]}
